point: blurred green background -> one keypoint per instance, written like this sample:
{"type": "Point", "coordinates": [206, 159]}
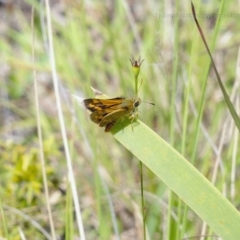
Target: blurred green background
{"type": "Point", "coordinates": [93, 42]}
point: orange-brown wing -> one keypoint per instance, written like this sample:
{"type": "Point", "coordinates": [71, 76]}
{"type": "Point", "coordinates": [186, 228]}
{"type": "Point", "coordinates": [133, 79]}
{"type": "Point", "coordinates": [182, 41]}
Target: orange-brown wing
{"type": "Point", "coordinates": [97, 116]}
{"type": "Point", "coordinates": [94, 104]}
{"type": "Point", "coordinates": [112, 117]}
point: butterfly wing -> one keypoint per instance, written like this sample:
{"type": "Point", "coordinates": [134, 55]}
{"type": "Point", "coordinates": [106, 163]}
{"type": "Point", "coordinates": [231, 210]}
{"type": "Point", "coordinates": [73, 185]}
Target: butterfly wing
{"type": "Point", "coordinates": [112, 117]}
{"type": "Point", "coordinates": [97, 116]}
{"type": "Point", "coordinates": [94, 104]}
{"type": "Point", "coordinates": [101, 107]}
{"type": "Point", "coordinates": [106, 112]}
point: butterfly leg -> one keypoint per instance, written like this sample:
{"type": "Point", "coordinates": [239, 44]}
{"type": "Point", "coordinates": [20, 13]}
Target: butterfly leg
{"type": "Point", "coordinates": [134, 116]}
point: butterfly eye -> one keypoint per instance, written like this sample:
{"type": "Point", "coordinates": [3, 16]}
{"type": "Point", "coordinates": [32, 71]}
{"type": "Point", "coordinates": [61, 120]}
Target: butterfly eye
{"type": "Point", "coordinates": [136, 104]}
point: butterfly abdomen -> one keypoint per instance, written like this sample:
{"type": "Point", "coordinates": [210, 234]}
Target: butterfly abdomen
{"type": "Point", "coordinates": [109, 126]}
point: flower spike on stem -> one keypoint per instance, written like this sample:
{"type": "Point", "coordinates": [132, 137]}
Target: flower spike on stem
{"type": "Point", "coordinates": [136, 64]}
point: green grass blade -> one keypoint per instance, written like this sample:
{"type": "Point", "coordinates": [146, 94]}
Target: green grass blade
{"type": "Point", "coordinates": [3, 228]}
{"type": "Point", "coordinates": [69, 218]}
{"type": "Point", "coordinates": [181, 177]}
{"type": "Point", "coordinates": [225, 94]}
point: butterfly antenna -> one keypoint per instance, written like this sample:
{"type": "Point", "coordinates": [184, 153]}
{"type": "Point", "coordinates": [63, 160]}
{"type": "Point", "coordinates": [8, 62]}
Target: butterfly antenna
{"type": "Point", "coordinates": [149, 103]}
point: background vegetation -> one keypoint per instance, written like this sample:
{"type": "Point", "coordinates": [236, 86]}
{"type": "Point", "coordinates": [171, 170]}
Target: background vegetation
{"type": "Point", "coordinates": [92, 43]}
